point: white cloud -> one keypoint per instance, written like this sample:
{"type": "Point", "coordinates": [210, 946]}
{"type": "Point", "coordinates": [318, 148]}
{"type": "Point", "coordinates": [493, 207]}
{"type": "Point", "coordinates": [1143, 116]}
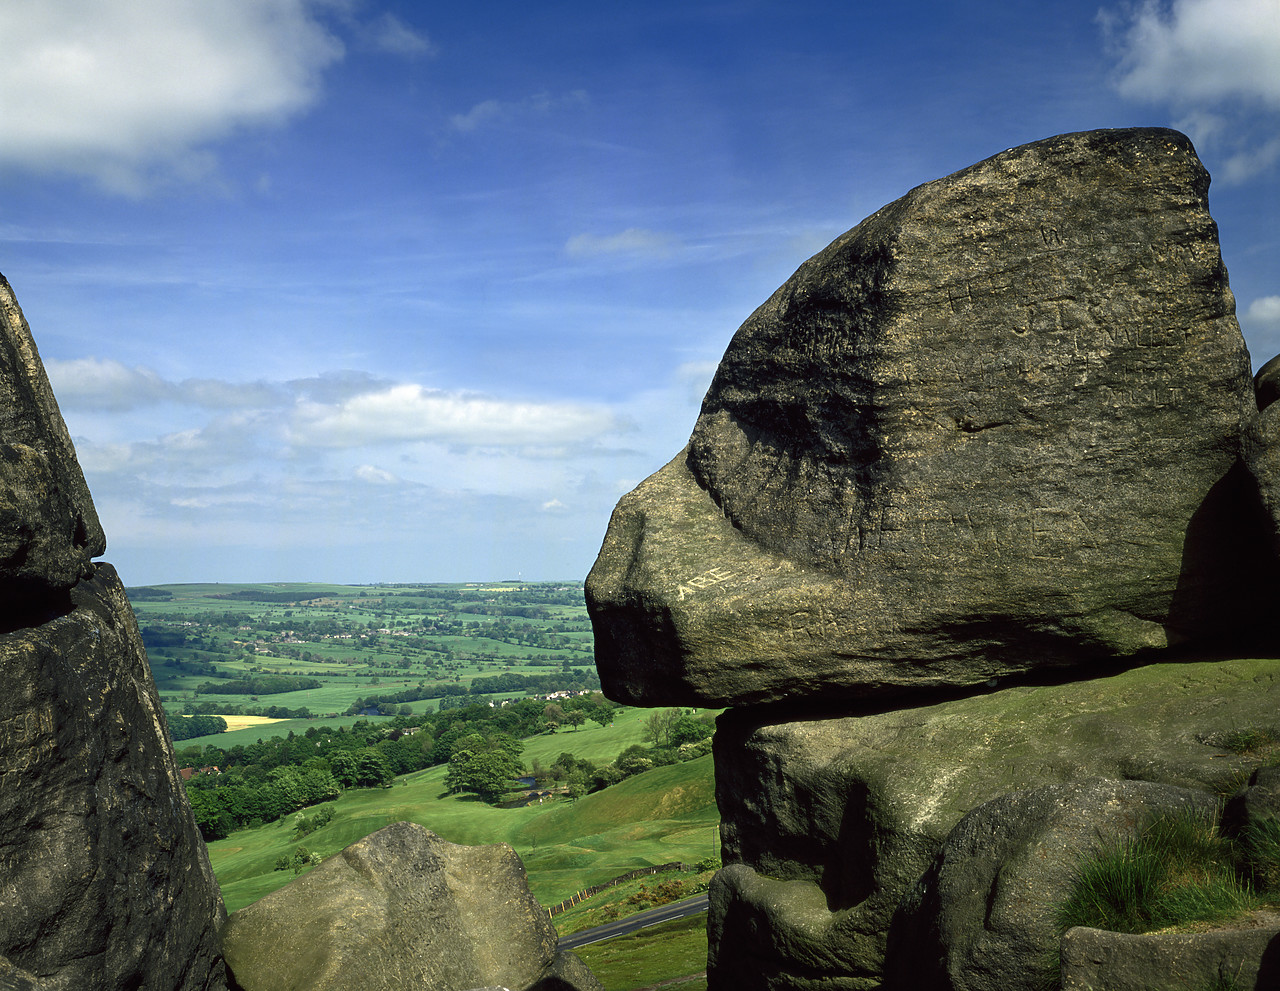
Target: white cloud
{"type": "Point", "coordinates": [368, 473]}
{"type": "Point", "coordinates": [1217, 62]}
{"type": "Point", "coordinates": [1199, 52]}
{"type": "Point", "coordinates": [106, 384]}
{"type": "Point", "coordinates": [493, 111]}
{"type": "Point", "coordinates": [340, 410]}
{"type": "Point", "coordinates": [123, 90]}
{"type": "Point", "coordinates": [1264, 311]}
{"type": "Point", "coordinates": [632, 241]}
{"type": "Point", "coordinates": [412, 413]}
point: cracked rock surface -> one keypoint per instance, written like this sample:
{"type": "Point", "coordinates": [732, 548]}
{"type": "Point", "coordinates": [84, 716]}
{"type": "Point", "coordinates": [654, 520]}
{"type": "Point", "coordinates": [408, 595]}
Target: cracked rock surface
{"type": "Point", "coordinates": [995, 427]}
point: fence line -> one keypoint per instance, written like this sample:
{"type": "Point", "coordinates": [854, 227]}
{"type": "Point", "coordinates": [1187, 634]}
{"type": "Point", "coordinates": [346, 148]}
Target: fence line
{"type": "Point", "coordinates": [595, 889]}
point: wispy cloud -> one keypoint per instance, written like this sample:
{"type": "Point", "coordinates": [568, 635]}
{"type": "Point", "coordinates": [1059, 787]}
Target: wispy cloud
{"type": "Point", "coordinates": [389, 34]}
{"type": "Point", "coordinates": [632, 241]}
{"type": "Point", "coordinates": [106, 384]}
{"type": "Point", "coordinates": [126, 92]}
{"type": "Point", "coordinates": [1265, 312]}
{"type": "Point", "coordinates": [344, 410]}
{"type": "Point", "coordinates": [500, 111]}
{"type": "Point", "coordinates": [1215, 62]}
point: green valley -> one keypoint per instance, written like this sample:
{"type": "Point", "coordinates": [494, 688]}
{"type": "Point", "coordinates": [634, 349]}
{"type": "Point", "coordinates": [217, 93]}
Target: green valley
{"type": "Point", "coordinates": [351, 707]}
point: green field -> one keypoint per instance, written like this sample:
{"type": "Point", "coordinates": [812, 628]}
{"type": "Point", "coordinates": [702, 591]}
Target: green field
{"type": "Point", "coordinates": [660, 955]}
{"type": "Point", "coordinates": [355, 642]}
{"type": "Point", "coordinates": [359, 642]}
{"type": "Point", "coordinates": [666, 814]}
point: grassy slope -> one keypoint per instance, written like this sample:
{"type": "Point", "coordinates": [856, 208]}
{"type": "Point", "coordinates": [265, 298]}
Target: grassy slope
{"type": "Point", "coordinates": [662, 815]}
{"type": "Point", "coordinates": [651, 956]}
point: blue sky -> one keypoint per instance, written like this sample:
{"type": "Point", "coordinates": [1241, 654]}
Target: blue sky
{"type": "Point", "coordinates": [357, 291]}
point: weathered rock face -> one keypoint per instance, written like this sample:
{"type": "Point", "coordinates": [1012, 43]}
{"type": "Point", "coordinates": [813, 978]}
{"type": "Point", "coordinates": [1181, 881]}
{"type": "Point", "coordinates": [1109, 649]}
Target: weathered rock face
{"type": "Point", "coordinates": [994, 427]}
{"type": "Point", "coordinates": [104, 879]}
{"type": "Point", "coordinates": [1242, 958]}
{"type": "Point", "coordinates": [403, 909]}
{"type": "Point", "coordinates": [983, 917]}
{"type": "Point", "coordinates": [49, 530]}
{"type": "Point", "coordinates": [1263, 453]}
{"type": "Point", "coordinates": [829, 823]}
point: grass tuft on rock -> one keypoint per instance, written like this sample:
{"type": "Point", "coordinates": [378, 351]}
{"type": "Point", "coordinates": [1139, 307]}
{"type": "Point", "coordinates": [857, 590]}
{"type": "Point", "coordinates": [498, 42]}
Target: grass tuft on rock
{"type": "Point", "coordinates": [1178, 871]}
{"type": "Point", "coordinates": [1259, 855]}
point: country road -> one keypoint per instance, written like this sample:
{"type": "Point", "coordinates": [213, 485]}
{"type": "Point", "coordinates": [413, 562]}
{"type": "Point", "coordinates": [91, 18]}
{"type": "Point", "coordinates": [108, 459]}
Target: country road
{"type": "Point", "coordinates": [641, 920]}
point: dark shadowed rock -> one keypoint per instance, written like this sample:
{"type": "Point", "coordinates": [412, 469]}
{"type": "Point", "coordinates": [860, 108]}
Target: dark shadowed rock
{"type": "Point", "coordinates": [994, 427]}
{"type": "Point", "coordinates": [1262, 455]}
{"type": "Point", "coordinates": [49, 530]}
{"type": "Point", "coordinates": [1234, 958]}
{"type": "Point", "coordinates": [1266, 383]}
{"type": "Point", "coordinates": [104, 879]}
{"type": "Point", "coordinates": [403, 908]}
{"type": "Point", "coordinates": [827, 824]}
{"type": "Point", "coordinates": [1258, 800]}
{"type": "Point", "coordinates": [984, 916]}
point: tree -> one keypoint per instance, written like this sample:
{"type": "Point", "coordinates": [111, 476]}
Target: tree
{"type": "Point", "coordinates": [487, 767]}
{"type": "Point", "coordinates": [633, 760]}
{"type": "Point", "coordinates": [575, 717]}
{"type": "Point", "coordinates": [343, 765]}
{"type": "Point", "coordinates": [602, 713]}
{"type": "Point", "coordinates": [373, 769]}
{"type": "Point", "coordinates": [688, 729]}
{"type": "Point", "coordinates": [657, 728]}
{"type": "Point", "coordinates": [576, 785]}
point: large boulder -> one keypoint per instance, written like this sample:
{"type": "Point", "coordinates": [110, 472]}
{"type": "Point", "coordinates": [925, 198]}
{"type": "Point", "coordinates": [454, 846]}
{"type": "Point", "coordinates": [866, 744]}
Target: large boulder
{"type": "Point", "coordinates": [104, 880]}
{"type": "Point", "coordinates": [983, 917]}
{"type": "Point", "coordinates": [828, 823]}
{"type": "Point", "coordinates": [993, 428]}
{"type": "Point", "coordinates": [403, 908]}
{"type": "Point", "coordinates": [49, 530]}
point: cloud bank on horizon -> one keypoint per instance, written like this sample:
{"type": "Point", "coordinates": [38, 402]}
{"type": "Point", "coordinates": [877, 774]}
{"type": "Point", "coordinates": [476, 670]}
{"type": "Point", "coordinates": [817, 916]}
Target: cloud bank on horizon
{"type": "Point", "coordinates": [361, 291]}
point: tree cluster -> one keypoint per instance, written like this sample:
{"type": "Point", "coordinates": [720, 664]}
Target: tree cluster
{"type": "Point", "coordinates": [188, 727]}
{"type": "Point", "coordinates": [676, 734]}
{"type": "Point", "coordinates": [267, 684]}
{"type": "Point", "coordinates": [255, 783]}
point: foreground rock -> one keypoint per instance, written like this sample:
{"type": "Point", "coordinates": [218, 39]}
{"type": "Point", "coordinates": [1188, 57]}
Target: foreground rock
{"type": "Point", "coordinates": [403, 908]}
{"type": "Point", "coordinates": [957, 445]}
{"type": "Point", "coordinates": [104, 879]}
{"type": "Point", "coordinates": [49, 530]}
{"type": "Point", "coordinates": [828, 824]}
{"type": "Point", "coordinates": [983, 917]}
{"type": "Point", "coordinates": [1263, 453]}
{"type": "Point", "coordinates": [1233, 958]}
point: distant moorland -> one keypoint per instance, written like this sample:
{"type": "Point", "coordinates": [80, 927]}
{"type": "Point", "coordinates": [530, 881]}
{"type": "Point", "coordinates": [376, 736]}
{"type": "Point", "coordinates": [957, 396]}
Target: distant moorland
{"type": "Point", "coordinates": [308, 716]}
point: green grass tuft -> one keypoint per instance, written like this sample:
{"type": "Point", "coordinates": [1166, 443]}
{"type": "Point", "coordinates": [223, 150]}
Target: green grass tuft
{"type": "Point", "coordinates": [1250, 740]}
{"type": "Point", "coordinates": [1179, 870]}
{"type": "Point", "coordinates": [1259, 855]}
